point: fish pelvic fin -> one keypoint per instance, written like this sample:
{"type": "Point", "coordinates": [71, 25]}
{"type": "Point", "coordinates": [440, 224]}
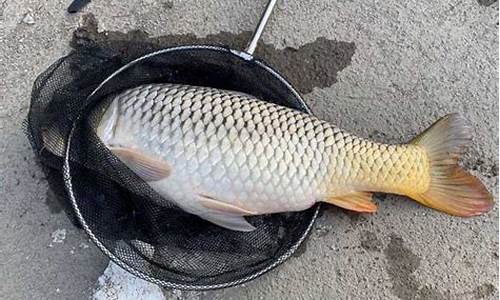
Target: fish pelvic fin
{"type": "Point", "coordinates": [451, 190]}
{"type": "Point", "coordinates": [356, 201]}
{"type": "Point", "coordinates": [146, 166]}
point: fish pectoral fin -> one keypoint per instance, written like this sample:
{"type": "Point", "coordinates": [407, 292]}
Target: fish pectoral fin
{"type": "Point", "coordinates": [223, 207]}
{"type": "Point", "coordinates": [226, 215]}
{"type": "Point", "coordinates": [357, 201]}
{"type": "Point", "coordinates": [147, 167]}
{"type": "Point", "coordinates": [232, 222]}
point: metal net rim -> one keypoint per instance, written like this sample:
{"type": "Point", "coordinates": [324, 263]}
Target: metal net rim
{"type": "Point", "coordinates": [67, 178]}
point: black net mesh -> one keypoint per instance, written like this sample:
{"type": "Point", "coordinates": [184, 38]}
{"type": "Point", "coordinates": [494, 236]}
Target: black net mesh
{"type": "Point", "coordinates": [151, 236]}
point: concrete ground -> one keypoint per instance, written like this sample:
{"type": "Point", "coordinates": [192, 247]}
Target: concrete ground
{"type": "Point", "coordinates": [379, 69]}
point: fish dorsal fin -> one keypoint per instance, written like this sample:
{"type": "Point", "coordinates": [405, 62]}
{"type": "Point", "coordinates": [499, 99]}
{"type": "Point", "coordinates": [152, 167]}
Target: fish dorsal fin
{"type": "Point", "coordinates": [146, 166]}
{"type": "Point", "coordinates": [356, 201]}
{"type": "Point", "coordinates": [226, 215]}
{"type": "Point", "coordinates": [223, 207]}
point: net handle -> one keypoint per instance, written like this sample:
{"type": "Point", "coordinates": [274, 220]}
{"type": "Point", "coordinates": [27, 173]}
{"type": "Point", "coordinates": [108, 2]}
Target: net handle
{"type": "Point", "coordinates": [250, 49]}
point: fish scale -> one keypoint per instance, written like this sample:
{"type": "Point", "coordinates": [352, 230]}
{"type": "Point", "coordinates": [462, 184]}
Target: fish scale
{"type": "Point", "coordinates": [233, 149]}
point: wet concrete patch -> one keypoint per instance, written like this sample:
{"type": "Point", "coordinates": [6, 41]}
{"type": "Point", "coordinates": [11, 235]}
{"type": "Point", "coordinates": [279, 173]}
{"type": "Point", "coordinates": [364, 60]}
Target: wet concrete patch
{"type": "Point", "coordinates": [402, 264]}
{"type": "Point", "coordinates": [355, 218]}
{"type": "Point", "coordinates": [53, 201]}
{"type": "Point", "coordinates": [56, 199]}
{"type": "Point", "coordinates": [315, 64]}
{"type": "Point", "coordinates": [484, 291]}
{"type": "Point", "coordinates": [486, 2]}
{"type": "Point", "coordinates": [302, 248]}
{"type": "Point", "coordinates": [369, 241]}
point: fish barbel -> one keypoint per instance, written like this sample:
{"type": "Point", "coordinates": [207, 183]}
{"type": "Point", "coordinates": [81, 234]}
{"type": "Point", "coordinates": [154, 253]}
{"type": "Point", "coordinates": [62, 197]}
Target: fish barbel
{"type": "Point", "coordinates": [223, 155]}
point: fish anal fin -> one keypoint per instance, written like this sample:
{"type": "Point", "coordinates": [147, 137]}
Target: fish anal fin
{"type": "Point", "coordinates": [223, 207]}
{"type": "Point", "coordinates": [356, 201]}
{"type": "Point", "coordinates": [146, 166]}
{"type": "Point", "coordinates": [232, 222]}
{"type": "Point", "coordinates": [224, 214]}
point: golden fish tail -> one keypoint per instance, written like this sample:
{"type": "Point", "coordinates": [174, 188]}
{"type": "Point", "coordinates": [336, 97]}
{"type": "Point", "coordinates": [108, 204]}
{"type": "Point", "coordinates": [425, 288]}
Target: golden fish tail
{"type": "Point", "coordinates": [451, 189]}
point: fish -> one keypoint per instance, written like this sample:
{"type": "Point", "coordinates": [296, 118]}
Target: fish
{"type": "Point", "coordinates": [223, 155]}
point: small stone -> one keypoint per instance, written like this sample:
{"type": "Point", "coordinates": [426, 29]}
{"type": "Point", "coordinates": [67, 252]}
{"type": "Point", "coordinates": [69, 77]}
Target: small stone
{"type": "Point", "coordinates": [28, 19]}
{"type": "Point", "coordinates": [83, 246]}
{"type": "Point", "coordinates": [58, 236]}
